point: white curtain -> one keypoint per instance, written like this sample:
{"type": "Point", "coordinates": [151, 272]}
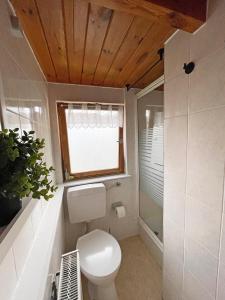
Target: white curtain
{"type": "Point", "coordinates": [93, 116]}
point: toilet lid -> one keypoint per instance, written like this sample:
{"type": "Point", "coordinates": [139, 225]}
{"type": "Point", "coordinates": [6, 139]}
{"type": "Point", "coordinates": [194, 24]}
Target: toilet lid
{"type": "Point", "coordinates": [100, 253]}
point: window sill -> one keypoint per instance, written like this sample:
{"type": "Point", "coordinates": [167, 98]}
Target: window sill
{"type": "Point", "coordinates": [95, 180]}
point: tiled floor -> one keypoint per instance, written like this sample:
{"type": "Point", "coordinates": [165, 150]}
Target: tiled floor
{"type": "Point", "coordinates": [140, 277]}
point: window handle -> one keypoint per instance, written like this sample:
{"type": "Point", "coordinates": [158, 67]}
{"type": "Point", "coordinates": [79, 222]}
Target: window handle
{"type": "Point", "coordinates": [120, 141]}
{"type": "Point", "coordinates": [66, 174]}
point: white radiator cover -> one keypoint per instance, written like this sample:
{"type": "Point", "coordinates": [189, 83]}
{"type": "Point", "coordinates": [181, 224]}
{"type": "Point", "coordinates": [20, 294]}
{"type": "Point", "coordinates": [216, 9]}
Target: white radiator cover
{"type": "Point", "coordinates": [70, 279]}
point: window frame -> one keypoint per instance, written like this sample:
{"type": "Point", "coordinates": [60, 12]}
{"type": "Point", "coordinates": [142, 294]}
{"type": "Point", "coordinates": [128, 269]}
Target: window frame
{"type": "Point", "coordinates": [64, 143]}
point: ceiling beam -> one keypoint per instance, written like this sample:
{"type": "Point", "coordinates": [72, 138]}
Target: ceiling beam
{"type": "Point", "coordinates": [186, 15]}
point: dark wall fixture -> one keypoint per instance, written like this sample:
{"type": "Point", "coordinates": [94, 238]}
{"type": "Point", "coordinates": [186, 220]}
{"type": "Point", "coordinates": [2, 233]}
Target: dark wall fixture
{"type": "Point", "coordinates": [161, 56]}
{"type": "Point", "coordinates": [188, 68]}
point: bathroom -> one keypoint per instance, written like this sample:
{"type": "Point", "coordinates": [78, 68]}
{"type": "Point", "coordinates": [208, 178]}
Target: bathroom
{"type": "Point", "coordinates": [155, 206]}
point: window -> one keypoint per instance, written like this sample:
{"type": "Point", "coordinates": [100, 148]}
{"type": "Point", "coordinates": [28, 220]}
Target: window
{"type": "Point", "coordinates": [91, 137]}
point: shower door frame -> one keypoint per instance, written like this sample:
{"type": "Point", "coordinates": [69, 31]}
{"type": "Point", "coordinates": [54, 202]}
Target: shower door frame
{"type": "Point", "coordinates": [158, 82]}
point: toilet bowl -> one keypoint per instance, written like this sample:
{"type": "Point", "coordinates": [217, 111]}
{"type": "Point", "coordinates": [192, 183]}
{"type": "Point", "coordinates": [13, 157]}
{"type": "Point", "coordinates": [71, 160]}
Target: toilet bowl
{"type": "Point", "coordinates": [100, 258]}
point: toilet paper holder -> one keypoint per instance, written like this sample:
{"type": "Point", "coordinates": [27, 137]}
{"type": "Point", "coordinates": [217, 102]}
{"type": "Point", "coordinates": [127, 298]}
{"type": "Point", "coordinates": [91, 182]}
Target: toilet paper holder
{"type": "Point", "coordinates": [116, 204]}
{"type": "Point", "coordinates": [119, 209]}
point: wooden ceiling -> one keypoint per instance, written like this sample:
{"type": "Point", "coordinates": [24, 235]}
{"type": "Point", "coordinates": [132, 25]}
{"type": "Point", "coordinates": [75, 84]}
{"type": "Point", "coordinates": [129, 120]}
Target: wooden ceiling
{"type": "Point", "coordinates": [104, 42]}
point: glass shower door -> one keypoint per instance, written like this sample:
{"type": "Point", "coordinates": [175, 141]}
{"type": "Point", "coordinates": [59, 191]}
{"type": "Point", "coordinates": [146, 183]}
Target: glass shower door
{"type": "Point", "coordinates": [151, 164]}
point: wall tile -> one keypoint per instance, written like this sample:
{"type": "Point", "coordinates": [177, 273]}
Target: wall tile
{"type": "Point", "coordinates": [206, 154]}
{"type": "Point", "coordinates": [210, 38]}
{"type": "Point", "coordinates": [22, 86]}
{"type": "Point", "coordinates": [58, 245]}
{"type": "Point", "coordinates": [8, 276]}
{"type": "Point", "coordinates": [12, 120]}
{"type": "Point", "coordinates": [9, 76]}
{"type": "Point", "coordinates": [173, 240]}
{"type": "Point", "coordinates": [126, 227]}
{"type": "Point", "coordinates": [17, 47]}
{"type": "Point", "coordinates": [176, 54]}
{"type": "Point", "coordinates": [44, 205]}
{"type": "Point", "coordinates": [201, 96]}
{"type": "Point", "coordinates": [169, 290]}
{"type": "Point", "coordinates": [222, 247]}
{"type": "Point", "coordinates": [22, 246]}
{"type": "Point", "coordinates": [216, 7]}
{"type": "Point", "coordinates": [26, 124]}
{"type": "Point", "coordinates": [221, 283]}
{"type": "Point", "coordinates": [174, 206]}
{"type": "Point", "coordinates": [175, 167]}
{"type": "Point", "coordinates": [207, 83]}
{"type": "Point", "coordinates": [176, 96]}
{"type": "Point", "coordinates": [48, 290]}
{"type": "Point", "coordinates": [36, 215]}
{"type": "Point", "coordinates": [201, 264]}
{"type": "Point", "coordinates": [203, 224]}
{"type": "Point", "coordinates": [174, 270]}
{"type": "Point", "coordinates": [173, 252]}
{"type": "Point", "coordinates": [193, 290]}
{"type": "Point", "coordinates": [175, 153]}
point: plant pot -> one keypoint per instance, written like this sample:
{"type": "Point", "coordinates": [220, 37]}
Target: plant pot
{"type": "Point", "coordinates": [8, 209]}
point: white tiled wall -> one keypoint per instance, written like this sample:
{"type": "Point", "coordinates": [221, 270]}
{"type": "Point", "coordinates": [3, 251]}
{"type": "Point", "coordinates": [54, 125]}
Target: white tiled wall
{"type": "Point", "coordinates": [23, 96]}
{"type": "Point", "coordinates": [194, 239]}
{"type": "Point", "coordinates": [23, 88]}
{"type": "Point", "coordinates": [8, 276]}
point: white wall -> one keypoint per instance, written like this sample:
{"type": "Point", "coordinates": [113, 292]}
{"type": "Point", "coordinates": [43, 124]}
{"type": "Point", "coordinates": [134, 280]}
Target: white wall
{"type": "Point", "coordinates": [127, 191]}
{"type": "Point", "coordinates": [194, 220]}
{"type": "Point", "coordinates": [23, 91]}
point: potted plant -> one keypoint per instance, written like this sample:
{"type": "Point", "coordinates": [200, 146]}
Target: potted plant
{"type": "Point", "coordinates": [23, 172]}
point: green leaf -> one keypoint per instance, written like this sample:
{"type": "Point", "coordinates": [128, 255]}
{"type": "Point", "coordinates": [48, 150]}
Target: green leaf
{"type": "Point", "coordinates": [22, 168]}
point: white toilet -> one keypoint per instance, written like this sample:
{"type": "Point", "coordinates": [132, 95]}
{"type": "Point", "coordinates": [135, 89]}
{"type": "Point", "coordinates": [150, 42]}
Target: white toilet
{"type": "Point", "coordinates": [100, 253]}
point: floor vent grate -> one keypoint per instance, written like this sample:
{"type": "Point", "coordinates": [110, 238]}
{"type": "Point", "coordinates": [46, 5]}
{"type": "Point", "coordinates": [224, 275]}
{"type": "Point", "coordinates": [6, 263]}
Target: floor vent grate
{"type": "Point", "coordinates": [69, 280]}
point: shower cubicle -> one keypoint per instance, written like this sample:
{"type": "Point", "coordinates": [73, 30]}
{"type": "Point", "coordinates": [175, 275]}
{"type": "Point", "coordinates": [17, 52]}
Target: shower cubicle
{"type": "Point", "coordinates": [150, 113]}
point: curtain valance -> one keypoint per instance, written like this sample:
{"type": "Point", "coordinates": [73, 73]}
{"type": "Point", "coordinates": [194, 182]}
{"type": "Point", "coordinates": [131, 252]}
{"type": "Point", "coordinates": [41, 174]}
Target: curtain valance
{"type": "Point", "coordinates": [94, 116]}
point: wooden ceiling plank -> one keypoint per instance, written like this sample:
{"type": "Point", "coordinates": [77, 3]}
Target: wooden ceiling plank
{"type": "Point", "coordinates": [75, 17]}
{"type": "Point", "coordinates": [81, 12]}
{"type": "Point", "coordinates": [136, 79]}
{"type": "Point", "coordinates": [53, 25]}
{"type": "Point", "coordinates": [159, 12]}
{"type": "Point", "coordinates": [68, 18]}
{"type": "Point", "coordinates": [141, 60]}
{"type": "Point", "coordinates": [118, 29]}
{"type": "Point", "coordinates": [141, 68]}
{"type": "Point", "coordinates": [134, 37]}
{"type": "Point", "coordinates": [101, 48]}
{"type": "Point", "coordinates": [99, 20]}
{"type": "Point", "coordinates": [151, 76]}
{"type": "Point", "coordinates": [27, 13]}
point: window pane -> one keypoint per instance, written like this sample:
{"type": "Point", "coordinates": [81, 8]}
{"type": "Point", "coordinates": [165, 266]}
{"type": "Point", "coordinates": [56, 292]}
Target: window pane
{"type": "Point", "coordinates": [93, 149]}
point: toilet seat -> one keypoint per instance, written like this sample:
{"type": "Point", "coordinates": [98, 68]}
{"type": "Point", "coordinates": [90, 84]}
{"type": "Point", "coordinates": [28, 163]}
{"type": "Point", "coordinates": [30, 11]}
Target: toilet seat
{"type": "Point", "coordinates": [100, 253]}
